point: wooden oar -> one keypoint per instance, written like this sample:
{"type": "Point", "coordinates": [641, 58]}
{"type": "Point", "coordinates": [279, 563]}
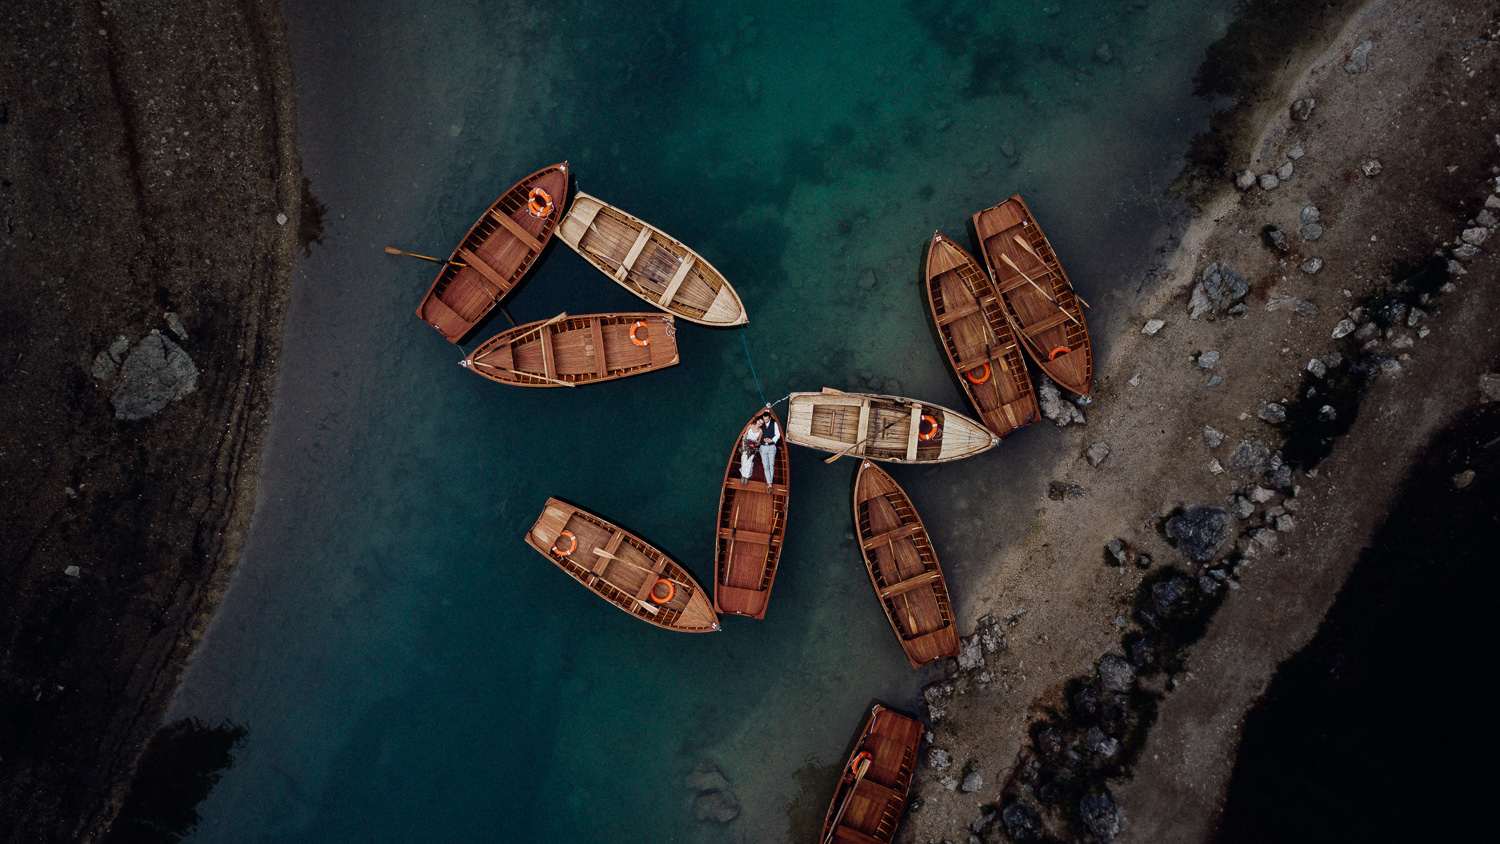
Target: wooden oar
{"type": "Point", "coordinates": [859, 774]}
{"type": "Point", "coordinates": [1027, 245]}
{"type": "Point", "coordinates": [391, 250]}
{"type": "Point", "coordinates": [1006, 258]}
{"type": "Point", "coordinates": [863, 441]}
{"type": "Point", "coordinates": [560, 383]}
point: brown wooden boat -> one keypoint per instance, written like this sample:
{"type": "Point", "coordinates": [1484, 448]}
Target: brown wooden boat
{"type": "Point", "coordinates": [495, 254]}
{"type": "Point", "coordinates": [565, 351]}
{"type": "Point", "coordinates": [903, 567]}
{"type": "Point", "coordinates": [890, 428]}
{"type": "Point", "coordinates": [621, 568]}
{"type": "Point", "coordinates": [977, 338]}
{"type": "Point", "coordinates": [866, 808]}
{"type": "Point", "coordinates": [1038, 297]}
{"type": "Point", "coordinates": [650, 263]}
{"type": "Point", "coordinates": [751, 527]}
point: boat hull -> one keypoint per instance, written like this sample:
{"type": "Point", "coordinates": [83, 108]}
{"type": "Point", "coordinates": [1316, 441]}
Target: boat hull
{"type": "Point", "coordinates": [495, 254]}
{"type": "Point", "coordinates": [887, 428]}
{"type": "Point", "coordinates": [977, 338]}
{"type": "Point", "coordinates": [903, 567]}
{"type": "Point", "coordinates": [621, 568]}
{"type": "Point", "coordinates": [869, 808]}
{"type": "Point", "coordinates": [650, 263]}
{"type": "Point", "coordinates": [1027, 274]}
{"type": "Point", "coordinates": [577, 350]}
{"type": "Point", "coordinates": [751, 528]}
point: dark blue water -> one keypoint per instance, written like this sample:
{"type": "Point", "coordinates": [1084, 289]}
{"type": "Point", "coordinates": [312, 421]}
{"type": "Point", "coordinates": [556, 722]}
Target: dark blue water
{"type": "Point", "coordinates": [408, 669]}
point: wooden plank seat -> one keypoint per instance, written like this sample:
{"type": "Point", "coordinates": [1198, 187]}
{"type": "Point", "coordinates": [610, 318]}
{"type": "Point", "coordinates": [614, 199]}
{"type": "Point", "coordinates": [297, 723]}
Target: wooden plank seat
{"type": "Point", "coordinates": [733, 482]}
{"type": "Point", "coordinates": [754, 537]}
{"type": "Point", "coordinates": [940, 633]}
{"type": "Point", "coordinates": [876, 791]}
{"type": "Point", "coordinates": [485, 270]}
{"type": "Point", "coordinates": [958, 313]}
{"type": "Point", "coordinates": [853, 836]}
{"type": "Point", "coordinates": [892, 535]}
{"type": "Point", "coordinates": [514, 228]}
{"type": "Point", "coordinates": [910, 583]}
{"type": "Point", "coordinates": [1049, 323]}
{"type": "Point", "coordinates": [600, 366]}
{"type": "Point", "coordinates": [635, 252]}
{"type": "Point", "coordinates": [440, 314]}
{"type": "Point", "coordinates": [677, 278]}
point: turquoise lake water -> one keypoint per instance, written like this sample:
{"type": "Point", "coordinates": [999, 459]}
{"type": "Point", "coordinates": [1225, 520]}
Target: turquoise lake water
{"type": "Point", "coordinates": [408, 669]}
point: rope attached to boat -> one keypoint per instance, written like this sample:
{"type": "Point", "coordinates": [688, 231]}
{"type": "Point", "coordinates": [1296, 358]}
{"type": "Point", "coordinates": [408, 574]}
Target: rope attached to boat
{"type": "Point", "coordinates": [752, 366]}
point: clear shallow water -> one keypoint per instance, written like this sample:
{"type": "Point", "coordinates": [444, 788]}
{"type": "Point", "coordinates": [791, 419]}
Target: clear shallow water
{"type": "Point", "coordinates": [407, 667]}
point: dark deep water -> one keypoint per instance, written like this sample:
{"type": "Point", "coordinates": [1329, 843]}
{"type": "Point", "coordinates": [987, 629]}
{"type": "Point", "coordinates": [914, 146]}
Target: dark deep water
{"type": "Point", "coordinates": [1379, 729]}
{"type": "Point", "coordinates": [407, 669]}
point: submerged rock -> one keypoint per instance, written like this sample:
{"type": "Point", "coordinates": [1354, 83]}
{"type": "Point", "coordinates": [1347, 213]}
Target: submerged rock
{"type": "Point", "coordinates": [705, 778]}
{"type": "Point", "coordinates": [1199, 532]}
{"type": "Point", "coordinates": [719, 807]}
{"type": "Point", "coordinates": [1101, 816]}
{"type": "Point", "coordinates": [157, 373]}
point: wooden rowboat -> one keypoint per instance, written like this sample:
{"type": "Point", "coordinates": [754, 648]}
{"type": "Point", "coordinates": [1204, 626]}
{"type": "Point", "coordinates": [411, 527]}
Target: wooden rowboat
{"type": "Point", "coordinates": [621, 568]}
{"type": "Point", "coordinates": [650, 263]}
{"type": "Point", "coordinates": [1039, 298]}
{"type": "Point", "coordinates": [903, 567]}
{"type": "Point", "coordinates": [890, 428]}
{"type": "Point", "coordinates": [867, 808]}
{"type": "Point", "coordinates": [494, 255]}
{"type": "Point", "coordinates": [565, 351]}
{"type": "Point", "coordinates": [751, 529]}
{"type": "Point", "coordinates": [977, 338]}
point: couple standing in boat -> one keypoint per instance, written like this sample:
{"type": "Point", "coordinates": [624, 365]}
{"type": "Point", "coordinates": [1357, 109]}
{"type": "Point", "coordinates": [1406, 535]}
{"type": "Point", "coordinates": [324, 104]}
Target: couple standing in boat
{"type": "Point", "coordinates": [763, 435]}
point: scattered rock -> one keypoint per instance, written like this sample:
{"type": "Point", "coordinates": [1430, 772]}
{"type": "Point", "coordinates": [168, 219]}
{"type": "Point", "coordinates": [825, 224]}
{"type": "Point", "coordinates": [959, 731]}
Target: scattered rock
{"type": "Point", "coordinates": [1403, 341]}
{"type": "Point", "coordinates": [1282, 478]}
{"type": "Point", "coordinates": [1311, 214]}
{"type": "Point", "coordinates": [970, 654]}
{"type": "Point", "coordinates": [174, 322]}
{"type": "Point", "coordinates": [1165, 596]}
{"type": "Point", "coordinates": [1285, 524]}
{"type": "Point", "coordinates": [1104, 53]}
{"type": "Point", "coordinates": [1054, 407]}
{"type": "Point", "coordinates": [1460, 480]}
{"type": "Point", "coordinates": [1343, 329]}
{"type": "Point", "coordinates": [107, 362]}
{"type": "Point", "coordinates": [1312, 266]}
{"type": "Point", "coordinates": [719, 807]}
{"type": "Point", "coordinates": [1371, 168]}
{"type": "Point", "coordinates": [949, 782]}
{"type": "Point", "coordinates": [1199, 531]}
{"type": "Point", "coordinates": [939, 759]}
{"type": "Point", "coordinates": [1208, 360]}
{"type": "Point", "coordinates": [1390, 367]}
{"type": "Point", "coordinates": [1367, 332]}
{"type": "Point", "coordinates": [1466, 252]}
{"type": "Point", "coordinates": [1489, 388]}
{"type": "Point", "coordinates": [1215, 467]}
{"type": "Point", "coordinates": [1152, 326]}
{"type": "Point", "coordinates": [1359, 59]}
{"type": "Point", "coordinates": [1284, 172]}
{"type": "Point", "coordinates": [1097, 741]}
{"type": "Point", "coordinates": [1236, 310]}
{"type": "Point", "coordinates": [1101, 816]}
{"type": "Point", "coordinates": [1143, 652]}
{"type": "Point", "coordinates": [1143, 561]}
{"type": "Point", "coordinates": [1303, 108]}
{"type": "Point", "coordinates": [1312, 231]}
{"type": "Point", "coordinates": [1475, 236]}
{"type": "Point", "coordinates": [705, 778]}
{"type": "Point", "coordinates": [1415, 317]}
{"type": "Point", "coordinates": [1264, 537]}
{"type": "Point", "coordinates": [1198, 303]}
{"type": "Point", "coordinates": [989, 633]}
{"type": "Point", "coordinates": [1021, 820]}
{"type": "Point", "coordinates": [868, 279]}
{"type": "Point", "coordinates": [1222, 285]}
{"type": "Point", "coordinates": [1245, 180]}
{"type": "Point", "coordinates": [982, 821]}
{"type": "Point", "coordinates": [280, 219]}
{"type": "Point", "coordinates": [1273, 413]}
{"type": "Point", "coordinates": [1249, 455]}
{"type": "Point", "coordinates": [1242, 508]}
{"type": "Point", "coordinates": [1277, 303]}
{"type": "Point", "coordinates": [1008, 147]}
{"type": "Point", "coordinates": [1097, 453]}
{"type": "Point", "coordinates": [1303, 307]}
{"type": "Point", "coordinates": [1215, 380]}
{"type": "Point", "coordinates": [1295, 153]}
{"type": "Point", "coordinates": [74, 571]}
{"type": "Point", "coordinates": [1278, 238]}
{"type": "Point", "coordinates": [972, 783]}
{"type": "Point", "coordinates": [1116, 674]}
{"type": "Point", "coordinates": [1059, 491]}
{"type": "Point", "coordinates": [1327, 413]}
{"type": "Point", "coordinates": [156, 373]}
{"type": "Point", "coordinates": [1259, 494]}
{"type": "Point", "coordinates": [1213, 436]}
{"type": "Point", "coordinates": [1269, 181]}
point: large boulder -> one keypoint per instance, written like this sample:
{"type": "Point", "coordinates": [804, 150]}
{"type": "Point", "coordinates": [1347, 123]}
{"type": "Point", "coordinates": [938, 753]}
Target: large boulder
{"type": "Point", "coordinates": [1100, 815]}
{"type": "Point", "coordinates": [156, 373]}
{"type": "Point", "coordinates": [1061, 411]}
{"type": "Point", "coordinates": [1022, 821]}
{"type": "Point", "coordinates": [1199, 532]}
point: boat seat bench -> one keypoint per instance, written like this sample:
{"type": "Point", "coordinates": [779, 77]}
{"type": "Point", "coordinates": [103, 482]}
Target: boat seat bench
{"type": "Point", "coordinates": [514, 228]}
{"type": "Point", "coordinates": [892, 535]}
{"type": "Point", "coordinates": [910, 583]}
{"type": "Point", "coordinates": [958, 313]}
{"type": "Point", "coordinates": [485, 270]}
{"type": "Point", "coordinates": [1049, 323]}
{"type": "Point", "coordinates": [754, 537]}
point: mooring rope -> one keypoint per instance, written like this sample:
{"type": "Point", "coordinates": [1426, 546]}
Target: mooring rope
{"type": "Point", "coordinates": [751, 361]}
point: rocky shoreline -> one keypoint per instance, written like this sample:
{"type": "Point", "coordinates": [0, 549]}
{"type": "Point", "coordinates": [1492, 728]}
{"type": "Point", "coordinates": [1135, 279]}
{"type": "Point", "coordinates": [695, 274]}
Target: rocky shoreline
{"type": "Point", "coordinates": [147, 186]}
{"type": "Point", "coordinates": [1331, 305]}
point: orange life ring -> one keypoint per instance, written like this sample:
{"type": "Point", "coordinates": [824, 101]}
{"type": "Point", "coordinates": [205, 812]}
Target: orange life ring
{"type": "Point", "coordinates": [931, 424]}
{"type": "Point", "coordinates": [978, 379]}
{"type": "Point", "coordinates": [571, 548]}
{"type": "Point", "coordinates": [639, 341]}
{"type": "Point", "coordinates": [671, 590]}
{"type": "Point", "coordinates": [1060, 350]}
{"type": "Point", "coordinates": [539, 203]}
{"type": "Point", "coordinates": [859, 757]}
